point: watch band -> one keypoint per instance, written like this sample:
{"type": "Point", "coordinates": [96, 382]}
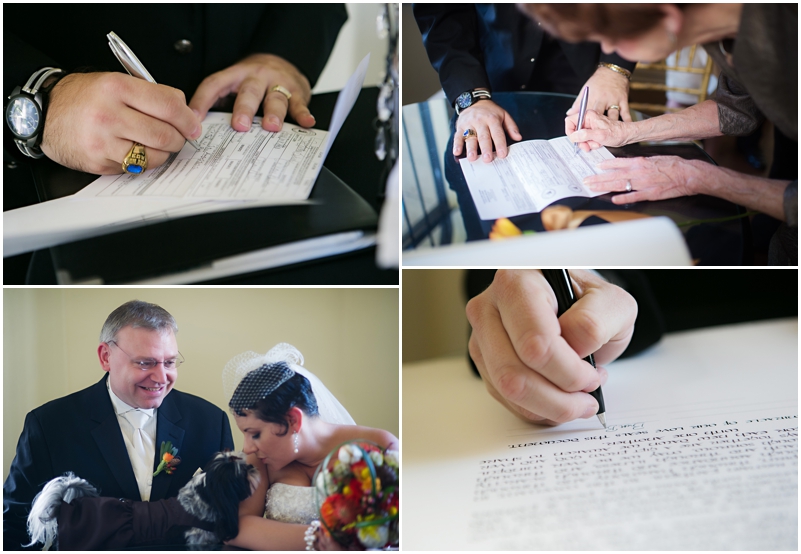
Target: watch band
{"type": "Point", "coordinates": [32, 87]}
{"type": "Point", "coordinates": [475, 96]}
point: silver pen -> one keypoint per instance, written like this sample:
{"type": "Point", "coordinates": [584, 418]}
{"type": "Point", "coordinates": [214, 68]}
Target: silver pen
{"type": "Point", "coordinates": [133, 66]}
{"type": "Point", "coordinates": [582, 111]}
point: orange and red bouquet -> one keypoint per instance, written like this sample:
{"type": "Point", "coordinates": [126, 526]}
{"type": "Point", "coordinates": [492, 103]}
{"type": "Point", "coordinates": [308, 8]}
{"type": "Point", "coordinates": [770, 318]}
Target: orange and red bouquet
{"type": "Point", "coordinates": [357, 495]}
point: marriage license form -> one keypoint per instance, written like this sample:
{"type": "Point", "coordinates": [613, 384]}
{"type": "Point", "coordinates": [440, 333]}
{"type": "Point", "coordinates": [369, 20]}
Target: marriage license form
{"type": "Point", "coordinates": [231, 170]}
{"type": "Point", "coordinates": [231, 165]}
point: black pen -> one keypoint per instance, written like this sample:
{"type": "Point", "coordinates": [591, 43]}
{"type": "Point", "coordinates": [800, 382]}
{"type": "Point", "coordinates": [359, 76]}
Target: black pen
{"type": "Point", "coordinates": [559, 279]}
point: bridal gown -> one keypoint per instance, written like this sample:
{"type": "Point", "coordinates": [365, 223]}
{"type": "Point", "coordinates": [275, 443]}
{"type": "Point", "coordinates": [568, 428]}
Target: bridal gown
{"type": "Point", "coordinates": [291, 504]}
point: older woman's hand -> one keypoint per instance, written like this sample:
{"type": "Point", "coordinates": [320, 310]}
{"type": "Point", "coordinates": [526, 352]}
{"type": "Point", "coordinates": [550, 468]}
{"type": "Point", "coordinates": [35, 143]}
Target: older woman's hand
{"type": "Point", "coordinates": [654, 178]}
{"type": "Point", "coordinates": [489, 121]}
{"type": "Point", "coordinates": [607, 89]}
{"type": "Point", "coordinates": [532, 362]}
{"type": "Point", "coordinates": [599, 130]}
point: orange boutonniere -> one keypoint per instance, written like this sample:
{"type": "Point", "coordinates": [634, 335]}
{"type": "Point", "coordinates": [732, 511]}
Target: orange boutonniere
{"type": "Point", "coordinates": [169, 459]}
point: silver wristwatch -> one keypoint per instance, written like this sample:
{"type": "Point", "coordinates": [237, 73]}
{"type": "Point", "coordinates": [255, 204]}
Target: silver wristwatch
{"type": "Point", "coordinates": [24, 114]}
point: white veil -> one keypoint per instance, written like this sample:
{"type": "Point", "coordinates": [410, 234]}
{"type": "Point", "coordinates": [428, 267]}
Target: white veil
{"type": "Point", "coordinates": [240, 365]}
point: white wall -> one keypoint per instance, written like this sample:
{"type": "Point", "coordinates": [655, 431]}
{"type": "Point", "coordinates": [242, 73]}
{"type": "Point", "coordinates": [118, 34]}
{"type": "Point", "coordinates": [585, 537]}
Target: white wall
{"type": "Point", "coordinates": [357, 38]}
{"type": "Point", "coordinates": [349, 338]}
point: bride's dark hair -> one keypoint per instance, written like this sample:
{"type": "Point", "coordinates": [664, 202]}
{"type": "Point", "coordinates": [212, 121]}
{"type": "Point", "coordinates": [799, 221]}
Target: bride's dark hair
{"type": "Point", "coordinates": [273, 408]}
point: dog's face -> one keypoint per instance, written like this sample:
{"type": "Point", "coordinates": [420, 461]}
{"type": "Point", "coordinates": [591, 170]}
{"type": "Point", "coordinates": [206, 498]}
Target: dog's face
{"type": "Point", "coordinates": [214, 495]}
{"type": "Point", "coordinates": [237, 468]}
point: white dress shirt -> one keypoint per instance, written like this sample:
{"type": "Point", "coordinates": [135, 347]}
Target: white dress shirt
{"type": "Point", "coordinates": [142, 465]}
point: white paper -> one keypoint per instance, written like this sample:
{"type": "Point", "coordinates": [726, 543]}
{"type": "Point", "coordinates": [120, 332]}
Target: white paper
{"type": "Point", "coordinates": [231, 171]}
{"type": "Point", "coordinates": [700, 454]}
{"type": "Point", "coordinates": [535, 174]}
{"type": "Point", "coordinates": [654, 241]}
{"type": "Point", "coordinates": [388, 248]}
{"type": "Point", "coordinates": [254, 165]}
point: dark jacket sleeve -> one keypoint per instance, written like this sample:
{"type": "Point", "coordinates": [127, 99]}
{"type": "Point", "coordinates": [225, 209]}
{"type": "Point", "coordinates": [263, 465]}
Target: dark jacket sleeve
{"type": "Point", "coordinates": [28, 473]}
{"type": "Point", "coordinates": [450, 37]}
{"type": "Point", "coordinates": [226, 439]}
{"type": "Point", "coordinates": [301, 34]}
{"type": "Point", "coordinates": [791, 204]}
{"type": "Point", "coordinates": [737, 111]}
{"type": "Point", "coordinates": [102, 523]}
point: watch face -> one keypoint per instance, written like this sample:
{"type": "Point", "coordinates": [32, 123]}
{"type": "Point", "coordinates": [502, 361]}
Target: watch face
{"type": "Point", "coordinates": [464, 100]}
{"type": "Point", "coordinates": [22, 116]}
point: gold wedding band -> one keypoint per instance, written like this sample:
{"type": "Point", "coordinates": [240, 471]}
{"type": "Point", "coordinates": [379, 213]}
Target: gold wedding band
{"type": "Point", "coordinates": [469, 133]}
{"type": "Point", "coordinates": [282, 90]}
{"type": "Point", "coordinates": [136, 160]}
{"type": "Point", "coordinates": [613, 108]}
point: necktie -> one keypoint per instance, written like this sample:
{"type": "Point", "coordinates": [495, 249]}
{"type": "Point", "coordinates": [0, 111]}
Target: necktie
{"type": "Point", "coordinates": [138, 419]}
{"type": "Point", "coordinates": [142, 466]}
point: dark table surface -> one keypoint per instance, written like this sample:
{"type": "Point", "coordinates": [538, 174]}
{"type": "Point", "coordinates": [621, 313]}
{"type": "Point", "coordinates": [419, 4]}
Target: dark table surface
{"type": "Point", "coordinates": [541, 116]}
{"type": "Point", "coordinates": [351, 158]}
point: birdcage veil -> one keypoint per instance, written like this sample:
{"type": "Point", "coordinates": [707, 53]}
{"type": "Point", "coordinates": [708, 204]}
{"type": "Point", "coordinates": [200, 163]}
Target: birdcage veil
{"type": "Point", "coordinates": [331, 410]}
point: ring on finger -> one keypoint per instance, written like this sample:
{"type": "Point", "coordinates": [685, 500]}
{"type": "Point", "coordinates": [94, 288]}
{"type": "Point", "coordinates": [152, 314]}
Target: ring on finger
{"type": "Point", "coordinates": [615, 107]}
{"type": "Point", "coordinates": [282, 90]}
{"type": "Point", "coordinates": [628, 186]}
{"type": "Point", "coordinates": [136, 160]}
{"type": "Point", "coordinates": [469, 133]}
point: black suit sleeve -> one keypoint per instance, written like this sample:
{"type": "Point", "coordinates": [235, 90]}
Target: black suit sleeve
{"type": "Point", "coordinates": [226, 440]}
{"type": "Point", "coordinates": [450, 37]}
{"type": "Point", "coordinates": [29, 471]}
{"type": "Point", "coordinates": [301, 34]}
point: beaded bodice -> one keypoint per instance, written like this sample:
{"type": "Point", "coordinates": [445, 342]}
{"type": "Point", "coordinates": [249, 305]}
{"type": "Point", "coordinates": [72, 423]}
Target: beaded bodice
{"type": "Point", "coordinates": [290, 504]}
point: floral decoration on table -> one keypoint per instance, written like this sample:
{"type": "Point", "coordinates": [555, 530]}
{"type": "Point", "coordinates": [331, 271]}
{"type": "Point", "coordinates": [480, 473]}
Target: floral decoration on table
{"type": "Point", "coordinates": [505, 229]}
{"type": "Point", "coordinates": [358, 496]}
{"type": "Point", "coordinates": [169, 459]}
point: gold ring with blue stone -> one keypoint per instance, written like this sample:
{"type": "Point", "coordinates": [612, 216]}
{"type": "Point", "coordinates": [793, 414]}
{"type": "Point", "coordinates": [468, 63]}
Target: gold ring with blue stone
{"type": "Point", "coordinates": [136, 160]}
{"type": "Point", "coordinates": [469, 133]}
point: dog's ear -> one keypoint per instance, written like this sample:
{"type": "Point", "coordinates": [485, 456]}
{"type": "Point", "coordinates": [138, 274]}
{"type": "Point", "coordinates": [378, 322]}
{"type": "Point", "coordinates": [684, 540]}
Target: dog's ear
{"type": "Point", "coordinates": [226, 486]}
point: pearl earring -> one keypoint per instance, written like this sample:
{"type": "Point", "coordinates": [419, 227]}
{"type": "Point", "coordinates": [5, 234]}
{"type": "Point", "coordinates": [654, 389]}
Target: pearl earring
{"type": "Point", "coordinates": [296, 439]}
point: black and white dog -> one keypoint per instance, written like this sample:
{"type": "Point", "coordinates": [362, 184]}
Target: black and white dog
{"type": "Point", "coordinates": [70, 512]}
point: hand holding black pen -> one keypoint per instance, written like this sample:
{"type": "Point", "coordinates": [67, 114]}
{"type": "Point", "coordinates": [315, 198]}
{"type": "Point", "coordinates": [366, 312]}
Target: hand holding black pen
{"type": "Point", "coordinates": [559, 279]}
{"type": "Point", "coordinates": [530, 360]}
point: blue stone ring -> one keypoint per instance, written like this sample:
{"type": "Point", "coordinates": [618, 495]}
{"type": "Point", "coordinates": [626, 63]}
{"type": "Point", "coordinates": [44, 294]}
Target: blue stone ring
{"type": "Point", "coordinates": [469, 133]}
{"type": "Point", "coordinates": [136, 160]}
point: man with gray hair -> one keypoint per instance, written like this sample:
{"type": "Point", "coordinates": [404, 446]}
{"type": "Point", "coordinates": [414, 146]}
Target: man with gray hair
{"type": "Point", "coordinates": [112, 433]}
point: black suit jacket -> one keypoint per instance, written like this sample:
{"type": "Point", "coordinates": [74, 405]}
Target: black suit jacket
{"type": "Point", "coordinates": [80, 433]}
{"type": "Point", "coordinates": [492, 45]}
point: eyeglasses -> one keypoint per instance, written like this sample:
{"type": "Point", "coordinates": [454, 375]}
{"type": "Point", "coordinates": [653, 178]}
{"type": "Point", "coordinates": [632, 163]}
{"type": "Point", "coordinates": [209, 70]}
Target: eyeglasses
{"type": "Point", "coordinates": [146, 365]}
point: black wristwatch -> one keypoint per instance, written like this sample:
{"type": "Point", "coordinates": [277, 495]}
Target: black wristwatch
{"type": "Point", "coordinates": [24, 113]}
{"type": "Point", "coordinates": [467, 99]}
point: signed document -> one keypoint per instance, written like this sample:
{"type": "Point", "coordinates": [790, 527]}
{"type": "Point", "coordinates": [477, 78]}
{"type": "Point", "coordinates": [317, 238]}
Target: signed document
{"type": "Point", "coordinates": [255, 165]}
{"type": "Point", "coordinates": [232, 170]}
{"type": "Point", "coordinates": [535, 174]}
{"type": "Point", "coordinates": [700, 453]}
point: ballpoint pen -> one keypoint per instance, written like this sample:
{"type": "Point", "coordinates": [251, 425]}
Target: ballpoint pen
{"type": "Point", "coordinates": [133, 66]}
{"type": "Point", "coordinates": [582, 111]}
{"type": "Point", "coordinates": [559, 279]}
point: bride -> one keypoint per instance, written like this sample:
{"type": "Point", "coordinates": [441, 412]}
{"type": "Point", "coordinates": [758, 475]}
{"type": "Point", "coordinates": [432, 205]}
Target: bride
{"type": "Point", "coordinates": [290, 422]}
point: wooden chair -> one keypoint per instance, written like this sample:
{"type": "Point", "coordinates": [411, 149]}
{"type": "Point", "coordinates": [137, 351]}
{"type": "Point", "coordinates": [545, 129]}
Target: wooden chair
{"type": "Point", "coordinates": [652, 77]}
